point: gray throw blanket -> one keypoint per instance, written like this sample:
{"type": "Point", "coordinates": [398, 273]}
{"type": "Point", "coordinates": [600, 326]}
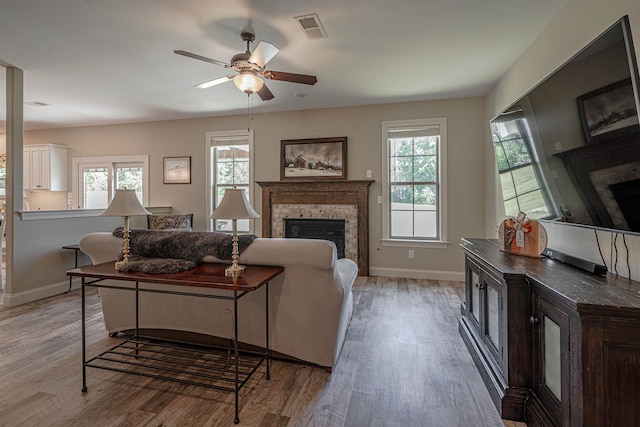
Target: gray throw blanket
{"type": "Point", "coordinates": [159, 251]}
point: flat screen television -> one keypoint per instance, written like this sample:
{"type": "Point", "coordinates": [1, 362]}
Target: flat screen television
{"type": "Point", "coordinates": [569, 150]}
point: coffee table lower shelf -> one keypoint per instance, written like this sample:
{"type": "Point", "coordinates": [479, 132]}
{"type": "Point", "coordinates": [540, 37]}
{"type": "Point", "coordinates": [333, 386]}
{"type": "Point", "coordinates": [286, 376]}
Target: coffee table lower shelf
{"type": "Point", "coordinates": [200, 365]}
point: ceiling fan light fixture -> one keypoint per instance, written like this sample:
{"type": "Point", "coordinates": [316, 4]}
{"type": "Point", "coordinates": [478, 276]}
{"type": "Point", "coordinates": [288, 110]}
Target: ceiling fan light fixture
{"type": "Point", "coordinates": [248, 82]}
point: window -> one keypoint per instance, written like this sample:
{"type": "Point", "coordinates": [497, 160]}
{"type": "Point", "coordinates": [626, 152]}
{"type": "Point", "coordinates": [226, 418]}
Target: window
{"type": "Point", "coordinates": [96, 178]}
{"type": "Point", "coordinates": [414, 190]}
{"type": "Point", "coordinates": [229, 165]}
{"type": "Point", "coordinates": [522, 188]}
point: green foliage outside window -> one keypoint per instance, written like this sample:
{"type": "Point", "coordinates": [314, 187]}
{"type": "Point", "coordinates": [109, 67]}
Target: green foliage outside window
{"type": "Point", "coordinates": [232, 166]}
{"type": "Point", "coordinates": [96, 179]}
{"type": "Point", "coordinates": [129, 178]}
{"type": "Point", "coordinates": [414, 161]}
{"type": "Point", "coordinates": [511, 152]}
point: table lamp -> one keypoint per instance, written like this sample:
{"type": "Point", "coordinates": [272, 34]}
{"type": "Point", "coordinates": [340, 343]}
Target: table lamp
{"type": "Point", "coordinates": [234, 206]}
{"type": "Point", "coordinates": [125, 204]}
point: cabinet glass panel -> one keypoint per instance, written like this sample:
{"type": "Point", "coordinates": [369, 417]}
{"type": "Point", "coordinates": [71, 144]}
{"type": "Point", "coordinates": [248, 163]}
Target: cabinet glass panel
{"type": "Point", "coordinates": [552, 362]}
{"type": "Point", "coordinates": [475, 295]}
{"type": "Point", "coordinates": [493, 314]}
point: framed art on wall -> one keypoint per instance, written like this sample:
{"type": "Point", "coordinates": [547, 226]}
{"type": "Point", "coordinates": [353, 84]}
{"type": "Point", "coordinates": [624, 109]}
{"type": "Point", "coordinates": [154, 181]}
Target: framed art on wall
{"type": "Point", "coordinates": [609, 112]}
{"type": "Point", "coordinates": [311, 159]}
{"type": "Point", "coordinates": [176, 170]}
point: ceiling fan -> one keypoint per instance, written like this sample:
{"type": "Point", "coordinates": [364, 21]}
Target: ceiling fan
{"type": "Point", "coordinates": [250, 68]}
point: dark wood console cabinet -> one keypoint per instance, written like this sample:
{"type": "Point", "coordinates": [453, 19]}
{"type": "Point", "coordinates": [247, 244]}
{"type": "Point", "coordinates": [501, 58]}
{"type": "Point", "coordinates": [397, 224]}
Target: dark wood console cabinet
{"type": "Point", "coordinates": [555, 346]}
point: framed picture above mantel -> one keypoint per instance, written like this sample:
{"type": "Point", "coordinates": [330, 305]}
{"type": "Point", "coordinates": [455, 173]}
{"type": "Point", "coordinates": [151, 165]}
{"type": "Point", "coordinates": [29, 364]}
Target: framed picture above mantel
{"type": "Point", "coordinates": [313, 159]}
{"type": "Point", "coordinates": [609, 112]}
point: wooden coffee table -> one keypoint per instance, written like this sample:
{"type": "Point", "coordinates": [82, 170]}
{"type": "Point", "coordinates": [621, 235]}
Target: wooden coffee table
{"type": "Point", "coordinates": [202, 365]}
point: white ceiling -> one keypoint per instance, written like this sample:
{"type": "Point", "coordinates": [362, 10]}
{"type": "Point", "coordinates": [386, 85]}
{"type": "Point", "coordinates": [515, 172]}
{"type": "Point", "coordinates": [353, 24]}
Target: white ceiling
{"type": "Point", "coordinates": [112, 61]}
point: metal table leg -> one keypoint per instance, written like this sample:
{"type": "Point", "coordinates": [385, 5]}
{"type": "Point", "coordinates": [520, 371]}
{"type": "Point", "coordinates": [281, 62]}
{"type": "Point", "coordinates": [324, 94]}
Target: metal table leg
{"type": "Point", "coordinates": [84, 341]}
{"type": "Point", "coordinates": [266, 300]}
{"type": "Point", "coordinates": [235, 349]}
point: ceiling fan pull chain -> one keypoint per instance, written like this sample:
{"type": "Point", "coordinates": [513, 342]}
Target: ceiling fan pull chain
{"type": "Point", "coordinates": [248, 112]}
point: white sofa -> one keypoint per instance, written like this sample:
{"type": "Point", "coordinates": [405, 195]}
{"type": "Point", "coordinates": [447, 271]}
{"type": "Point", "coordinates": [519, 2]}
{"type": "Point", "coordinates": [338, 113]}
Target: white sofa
{"type": "Point", "coordinates": [310, 304]}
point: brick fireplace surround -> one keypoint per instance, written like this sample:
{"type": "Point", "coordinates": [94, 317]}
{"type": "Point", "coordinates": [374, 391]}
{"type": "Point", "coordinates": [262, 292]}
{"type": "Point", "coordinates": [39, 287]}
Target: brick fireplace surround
{"type": "Point", "coordinates": [347, 200]}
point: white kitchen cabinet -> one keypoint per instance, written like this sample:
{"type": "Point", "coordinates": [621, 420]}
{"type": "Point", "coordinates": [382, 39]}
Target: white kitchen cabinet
{"type": "Point", "coordinates": [45, 167]}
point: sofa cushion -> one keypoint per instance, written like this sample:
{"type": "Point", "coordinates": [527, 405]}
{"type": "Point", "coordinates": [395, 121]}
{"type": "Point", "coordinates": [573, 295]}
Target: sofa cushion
{"type": "Point", "coordinates": [170, 222]}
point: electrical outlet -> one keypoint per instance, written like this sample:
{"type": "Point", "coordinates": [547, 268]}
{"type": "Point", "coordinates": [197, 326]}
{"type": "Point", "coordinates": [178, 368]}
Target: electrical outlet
{"type": "Point", "coordinates": [369, 174]}
{"type": "Point", "coordinates": [411, 254]}
{"type": "Point", "coordinates": [379, 200]}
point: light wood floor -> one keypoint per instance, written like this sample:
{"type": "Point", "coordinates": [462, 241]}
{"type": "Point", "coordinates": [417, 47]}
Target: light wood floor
{"type": "Point", "coordinates": [403, 364]}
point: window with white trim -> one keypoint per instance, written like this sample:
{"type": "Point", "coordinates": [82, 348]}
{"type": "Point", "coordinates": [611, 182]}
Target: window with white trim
{"type": "Point", "coordinates": [229, 165]}
{"type": "Point", "coordinates": [523, 186]}
{"type": "Point", "coordinates": [414, 188]}
{"type": "Point", "coordinates": [95, 179]}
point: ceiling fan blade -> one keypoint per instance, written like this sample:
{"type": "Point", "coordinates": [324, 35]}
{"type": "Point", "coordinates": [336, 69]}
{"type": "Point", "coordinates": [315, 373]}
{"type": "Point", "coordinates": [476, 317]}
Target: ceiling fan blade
{"type": "Point", "coordinates": [214, 82]}
{"type": "Point", "coordinates": [201, 58]}
{"type": "Point", "coordinates": [263, 54]}
{"type": "Point", "coordinates": [264, 93]}
{"type": "Point", "coordinates": [304, 79]}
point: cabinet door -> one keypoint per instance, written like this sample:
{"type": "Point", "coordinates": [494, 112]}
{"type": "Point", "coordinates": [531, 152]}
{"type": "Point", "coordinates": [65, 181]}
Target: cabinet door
{"type": "Point", "coordinates": [44, 168]}
{"type": "Point", "coordinates": [35, 176]}
{"type": "Point", "coordinates": [26, 169]}
{"type": "Point", "coordinates": [551, 359]}
{"type": "Point", "coordinates": [36, 165]}
{"type": "Point", "coordinates": [473, 291]}
{"type": "Point", "coordinates": [492, 322]}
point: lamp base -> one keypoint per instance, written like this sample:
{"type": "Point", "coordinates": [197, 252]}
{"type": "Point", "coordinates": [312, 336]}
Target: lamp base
{"type": "Point", "coordinates": [120, 264]}
{"type": "Point", "coordinates": [234, 270]}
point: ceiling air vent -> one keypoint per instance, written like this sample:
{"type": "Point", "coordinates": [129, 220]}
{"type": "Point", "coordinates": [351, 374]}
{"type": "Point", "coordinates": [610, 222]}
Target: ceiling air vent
{"type": "Point", "coordinates": [311, 26]}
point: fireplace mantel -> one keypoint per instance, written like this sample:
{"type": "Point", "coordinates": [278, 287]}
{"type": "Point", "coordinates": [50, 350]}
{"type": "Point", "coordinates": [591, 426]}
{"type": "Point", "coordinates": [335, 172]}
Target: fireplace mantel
{"type": "Point", "coordinates": [350, 192]}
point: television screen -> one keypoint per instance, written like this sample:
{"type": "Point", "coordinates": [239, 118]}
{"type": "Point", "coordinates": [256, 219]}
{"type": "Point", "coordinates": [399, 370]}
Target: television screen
{"type": "Point", "coordinates": [569, 150]}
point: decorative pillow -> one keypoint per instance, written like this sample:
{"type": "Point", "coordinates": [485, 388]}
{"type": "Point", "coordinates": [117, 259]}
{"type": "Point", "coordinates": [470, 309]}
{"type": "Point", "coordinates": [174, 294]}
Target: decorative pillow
{"type": "Point", "coordinates": [169, 222]}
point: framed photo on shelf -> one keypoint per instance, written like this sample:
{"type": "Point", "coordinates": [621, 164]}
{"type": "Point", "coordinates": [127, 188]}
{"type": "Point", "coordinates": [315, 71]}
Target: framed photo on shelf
{"type": "Point", "coordinates": [609, 112]}
{"type": "Point", "coordinates": [176, 170]}
{"type": "Point", "coordinates": [313, 159]}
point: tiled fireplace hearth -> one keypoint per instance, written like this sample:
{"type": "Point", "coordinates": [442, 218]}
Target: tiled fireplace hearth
{"type": "Point", "coordinates": [349, 213]}
{"type": "Point", "coordinates": [348, 200]}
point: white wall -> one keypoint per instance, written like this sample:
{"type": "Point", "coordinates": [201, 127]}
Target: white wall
{"type": "Point", "coordinates": [41, 240]}
{"type": "Point", "coordinates": [572, 29]}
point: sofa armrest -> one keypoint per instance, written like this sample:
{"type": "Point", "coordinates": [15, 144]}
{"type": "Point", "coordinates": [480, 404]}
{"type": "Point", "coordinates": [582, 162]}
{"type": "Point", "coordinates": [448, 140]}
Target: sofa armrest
{"type": "Point", "coordinates": [101, 246]}
{"type": "Point", "coordinates": [321, 254]}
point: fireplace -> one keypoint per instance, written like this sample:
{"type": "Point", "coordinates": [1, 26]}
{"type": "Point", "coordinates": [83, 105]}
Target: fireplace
{"type": "Point", "coordinates": [628, 197]}
{"type": "Point", "coordinates": [327, 229]}
{"type": "Point", "coordinates": [596, 176]}
{"type": "Point", "coordinates": [331, 200]}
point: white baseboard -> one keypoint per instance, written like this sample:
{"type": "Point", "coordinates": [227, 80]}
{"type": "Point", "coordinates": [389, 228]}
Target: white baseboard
{"type": "Point", "coordinates": [11, 300]}
{"type": "Point", "coordinates": [454, 276]}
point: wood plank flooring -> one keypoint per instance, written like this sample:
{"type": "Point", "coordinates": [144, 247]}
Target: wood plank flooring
{"type": "Point", "coordinates": [403, 364]}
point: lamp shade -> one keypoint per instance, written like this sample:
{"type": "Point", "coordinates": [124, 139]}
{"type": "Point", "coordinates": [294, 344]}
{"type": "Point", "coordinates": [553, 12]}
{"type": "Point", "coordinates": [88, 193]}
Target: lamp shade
{"type": "Point", "coordinates": [125, 203]}
{"type": "Point", "coordinates": [234, 205]}
{"type": "Point", "coordinates": [248, 82]}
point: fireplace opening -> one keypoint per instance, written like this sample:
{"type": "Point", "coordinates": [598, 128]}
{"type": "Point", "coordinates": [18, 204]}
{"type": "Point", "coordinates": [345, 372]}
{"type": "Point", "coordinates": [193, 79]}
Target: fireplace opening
{"type": "Point", "coordinates": [326, 229]}
{"type": "Point", "coordinates": [627, 194]}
